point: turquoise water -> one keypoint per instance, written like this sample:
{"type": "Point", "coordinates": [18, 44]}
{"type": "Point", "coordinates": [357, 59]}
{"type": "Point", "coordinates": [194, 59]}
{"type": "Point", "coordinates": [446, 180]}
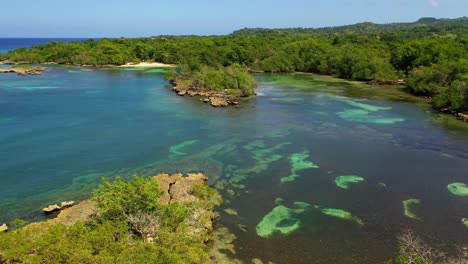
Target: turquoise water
{"type": "Point", "coordinates": [62, 131]}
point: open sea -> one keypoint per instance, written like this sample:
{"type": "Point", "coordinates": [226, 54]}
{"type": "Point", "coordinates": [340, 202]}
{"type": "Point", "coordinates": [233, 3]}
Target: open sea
{"type": "Point", "coordinates": [7, 44]}
{"type": "Point", "coordinates": [316, 169]}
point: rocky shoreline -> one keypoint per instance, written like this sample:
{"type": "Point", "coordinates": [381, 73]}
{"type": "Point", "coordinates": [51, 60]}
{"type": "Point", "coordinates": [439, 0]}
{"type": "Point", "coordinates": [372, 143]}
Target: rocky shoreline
{"type": "Point", "coordinates": [175, 188]}
{"type": "Point", "coordinates": [24, 70]}
{"type": "Point", "coordinates": [214, 98]}
{"type": "Point", "coordinates": [460, 116]}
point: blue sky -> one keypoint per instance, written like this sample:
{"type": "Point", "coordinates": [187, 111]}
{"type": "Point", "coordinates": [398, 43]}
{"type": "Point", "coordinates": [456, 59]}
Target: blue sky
{"type": "Point", "coordinates": [117, 18]}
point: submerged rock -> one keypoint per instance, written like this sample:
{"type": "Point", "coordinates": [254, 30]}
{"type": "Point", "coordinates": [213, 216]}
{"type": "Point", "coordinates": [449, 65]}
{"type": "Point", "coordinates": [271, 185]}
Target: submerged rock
{"type": "Point", "coordinates": [458, 188]}
{"type": "Point", "coordinates": [346, 181]}
{"type": "Point", "coordinates": [366, 113]}
{"type": "Point", "coordinates": [231, 211]}
{"type": "Point", "coordinates": [298, 162]}
{"type": "Point", "coordinates": [465, 221]}
{"type": "Point", "coordinates": [278, 220]}
{"type": "Point", "coordinates": [342, 214]}
{"type": "Point", "coordinates": [409, 207]}
{"type": "Point", "coordinates": [222, 247]}
{"type": "Point", "coordinates": [176, 150]}
{"type": "Point", "coordinates": [3, 228]}
{"type": "Point", "coordinates": [281, 220]}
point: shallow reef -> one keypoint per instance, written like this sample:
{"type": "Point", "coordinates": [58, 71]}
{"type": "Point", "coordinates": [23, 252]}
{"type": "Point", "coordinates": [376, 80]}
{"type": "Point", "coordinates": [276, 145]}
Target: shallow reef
{"type": "Point", "coordinates": [409, 207]}
{"type": "Point", "coordinates": [342, 214]}
{"type": "Point", "coordinates": [176, 150]}
{"type": "Point", "coordinates": [298, 162]}
{"type": "Point", "coordinates": [366, 113]}
{"type": "Point", "coordinates": [465, 221]}
{"type": "Point", "coordinates": [346, 181]}
{"type": "Point", "coordinates": [281, 220]}
{"type": "Point", "coordinates": [458, 188]}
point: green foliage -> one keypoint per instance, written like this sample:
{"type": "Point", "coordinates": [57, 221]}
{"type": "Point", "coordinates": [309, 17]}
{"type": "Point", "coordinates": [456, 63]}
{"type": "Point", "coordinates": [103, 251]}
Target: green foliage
{"type": "Point", "coordinates": [420, 52]}
{"type": "Point", "coordinates": [128, 213]}
{"type": "Point", "coordinates": [447, 82]}
{"type": "Point", "coordinates": [206, 193]}
{"type": "Point", "coordinates": [18, 223]}
{"type": "Point", "coordinates": [235, 78]}
{"type": "Point", "coordinates": [119, 199]}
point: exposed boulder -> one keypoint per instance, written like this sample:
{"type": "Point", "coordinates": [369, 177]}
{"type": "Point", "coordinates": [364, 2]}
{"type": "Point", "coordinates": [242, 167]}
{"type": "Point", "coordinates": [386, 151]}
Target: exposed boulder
{"type": "Point", "coordinates": [215, 98]}
{"type": "Point", "coordinates": [462, 117]}
{"type": "Point", "coordinates": [218, 101]}
{"type": "Point", "coordinates": [55, 207]}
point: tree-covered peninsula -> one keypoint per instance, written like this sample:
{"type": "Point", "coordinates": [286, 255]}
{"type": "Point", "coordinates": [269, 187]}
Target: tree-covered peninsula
{"type": "Point", "coordinates": [161, 219]}
{"type": "Point", "coordinates": [219, 86]}
{"type": "Point", "coordinates": [429, 55]}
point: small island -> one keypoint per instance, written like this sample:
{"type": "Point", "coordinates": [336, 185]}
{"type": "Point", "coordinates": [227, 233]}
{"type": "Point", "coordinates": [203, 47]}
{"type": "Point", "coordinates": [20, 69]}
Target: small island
{"type": "Point", "coordinates": [218, 86]}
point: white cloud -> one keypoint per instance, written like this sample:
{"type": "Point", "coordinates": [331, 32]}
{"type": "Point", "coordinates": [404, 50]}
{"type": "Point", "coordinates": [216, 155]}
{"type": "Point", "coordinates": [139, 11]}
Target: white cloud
{"type": "Point", "coordinates": [433, 3]}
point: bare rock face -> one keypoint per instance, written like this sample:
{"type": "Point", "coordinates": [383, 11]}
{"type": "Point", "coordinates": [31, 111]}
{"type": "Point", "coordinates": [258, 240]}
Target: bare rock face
{"type": "Point", "coordinates": [215, 98]}
{"type": "Point", "coordinates": [218, 101]}
{"type": "Point", "coordinates": [80, 212]}
{"type": "Point", "coordinates": [177, 188]}
{"type": "Point", "coordinates": [462, 116]}
{"type": "Point", "coordinates": [55, 207]}
{"type": "Point", "coordinates": [3, 228]}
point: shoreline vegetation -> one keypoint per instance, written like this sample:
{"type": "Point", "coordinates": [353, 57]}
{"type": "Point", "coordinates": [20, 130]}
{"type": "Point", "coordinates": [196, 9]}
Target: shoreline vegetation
{"type": "Point", "coordinates": [146, 65]}
{"type": "Point", "coordinates": [166, 218]}
{"type": "Point", "coordinates": [429, 57]}
{"type": "Point", "coordinates": [220, 87]}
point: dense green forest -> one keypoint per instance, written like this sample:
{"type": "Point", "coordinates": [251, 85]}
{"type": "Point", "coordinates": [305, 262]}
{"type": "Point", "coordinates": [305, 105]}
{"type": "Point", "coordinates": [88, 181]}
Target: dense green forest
{"type": "Point", "coordinates": [132, 225]}
{"type": "Point", "coordinates": [234, 79]}
{"type": "Point", "coordinates": [431, 55]}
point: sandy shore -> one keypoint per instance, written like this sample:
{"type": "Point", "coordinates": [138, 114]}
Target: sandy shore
{"type": "Point", "coordinates": [147, 65]}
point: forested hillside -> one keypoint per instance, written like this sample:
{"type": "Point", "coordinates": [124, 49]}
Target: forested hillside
{"type": "Point", "coordinates": [431, 55]}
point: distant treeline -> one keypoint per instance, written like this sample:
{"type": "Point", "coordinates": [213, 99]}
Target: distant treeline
{"type": "Point", "coordinates": [430, 55]}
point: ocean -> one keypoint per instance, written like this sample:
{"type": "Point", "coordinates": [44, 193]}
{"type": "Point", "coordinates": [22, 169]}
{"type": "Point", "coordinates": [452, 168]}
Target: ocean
{"type": "Point", "coordinates": [317, 169]}
{"type": "Point", "coordinates": [8, 44]}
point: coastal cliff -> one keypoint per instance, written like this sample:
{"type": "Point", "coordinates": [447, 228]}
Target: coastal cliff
{"type": "Point", "coordinates": [165, 217]}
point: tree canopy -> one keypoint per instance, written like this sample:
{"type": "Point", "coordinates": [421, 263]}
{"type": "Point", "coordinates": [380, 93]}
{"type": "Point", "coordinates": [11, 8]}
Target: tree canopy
{"type": "Point", "coordinates": [416, 52]}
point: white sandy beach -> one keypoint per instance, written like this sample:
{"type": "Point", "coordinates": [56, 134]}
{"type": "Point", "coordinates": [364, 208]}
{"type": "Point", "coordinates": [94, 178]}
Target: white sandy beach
{"type": "Point", "coordinates": [147, 65]}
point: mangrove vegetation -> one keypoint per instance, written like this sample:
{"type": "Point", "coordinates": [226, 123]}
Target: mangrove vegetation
{"type": "Point", "coordinates": [430, 55]}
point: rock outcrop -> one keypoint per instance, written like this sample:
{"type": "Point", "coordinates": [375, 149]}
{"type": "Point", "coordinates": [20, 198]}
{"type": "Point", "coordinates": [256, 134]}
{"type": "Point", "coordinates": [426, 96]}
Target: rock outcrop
{"type": "Point", "coordinates": [23, 70]}
{"type": "Point", "coordinates": [3, 228]}
{"type": "Point", "coordinates": [215, 98]}
{"type": "Point", "coordinates": [55, 207]}
{"type": "Point", "coordinates": [80, 212]}
{"type": "Point", "coordinates": [177, 188]}
{"type": "Point", "coordinates": [462, 117]}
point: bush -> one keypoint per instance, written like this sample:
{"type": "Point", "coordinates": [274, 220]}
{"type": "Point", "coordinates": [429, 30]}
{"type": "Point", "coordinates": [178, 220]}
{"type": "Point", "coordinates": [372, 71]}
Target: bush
{"type": "Point", "coordinates": [128, 213]}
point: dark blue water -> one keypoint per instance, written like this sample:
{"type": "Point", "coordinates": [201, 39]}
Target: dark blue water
{"type": "Point", "coordinates": [8, 44]}
{"type": "Point", "coordinates": [60, 132]}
